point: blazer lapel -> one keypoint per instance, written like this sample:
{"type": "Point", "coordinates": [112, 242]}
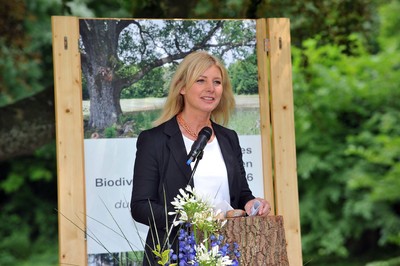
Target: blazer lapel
{"type": "Point", "coordinates": [177, 146]}
{"type": "Point", "coordinates": [227, 152]}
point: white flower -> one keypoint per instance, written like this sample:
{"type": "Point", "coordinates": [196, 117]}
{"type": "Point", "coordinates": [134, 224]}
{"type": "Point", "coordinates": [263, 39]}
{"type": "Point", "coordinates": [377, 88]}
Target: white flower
{"type": "Point", "coordinates": [211, 257]}
{"type": "Point", "coordinates": [200, 215]}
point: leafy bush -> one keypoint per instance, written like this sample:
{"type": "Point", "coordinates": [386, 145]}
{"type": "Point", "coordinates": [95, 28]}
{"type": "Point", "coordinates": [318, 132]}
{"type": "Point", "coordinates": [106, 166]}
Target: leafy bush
{"type": "Point", "coordinates": [28, 220]}
{"type": "Point", "coordinates": [347, 114]}
{"type": "Point", "coordinates": [110, 132]}
{"type": "Point", "coordinates": [391, 262]}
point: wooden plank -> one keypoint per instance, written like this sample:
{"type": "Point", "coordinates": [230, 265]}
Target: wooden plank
{"type": "Point", "coordinates": [282, 117]}
{"type": "Point", "coordinates": [265, 117]}
{"type": "Point", "coordinates": [69, 137]}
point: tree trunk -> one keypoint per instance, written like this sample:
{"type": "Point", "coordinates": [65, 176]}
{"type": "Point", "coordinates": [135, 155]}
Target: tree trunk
{"type": "Point", "coordinates": [261, 240]}
{"type": "Point", "coordinates": [105, 107]}
{"type": "Point", "coordinates": [99, 65]}
{"type": "Point", "coordinates": [27, 125]}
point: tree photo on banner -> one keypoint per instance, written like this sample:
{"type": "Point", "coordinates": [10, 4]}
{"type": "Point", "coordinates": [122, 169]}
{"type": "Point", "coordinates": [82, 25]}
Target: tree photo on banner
{"type": "Point", "coordinates": [126, 69]}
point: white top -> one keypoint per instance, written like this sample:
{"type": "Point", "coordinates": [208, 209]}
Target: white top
{"type": "Point", "coordinates": [211, 177]}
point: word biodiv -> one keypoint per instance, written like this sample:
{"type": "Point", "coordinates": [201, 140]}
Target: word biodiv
{"type": "Point", "coordinates": [104, 182]}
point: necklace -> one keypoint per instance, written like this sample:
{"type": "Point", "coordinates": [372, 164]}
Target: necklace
{"type": "Point", "coordinates": [185, 126]}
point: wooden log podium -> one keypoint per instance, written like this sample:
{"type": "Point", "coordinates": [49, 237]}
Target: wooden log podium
{"type": "Point", "coordinates": [261, 240]}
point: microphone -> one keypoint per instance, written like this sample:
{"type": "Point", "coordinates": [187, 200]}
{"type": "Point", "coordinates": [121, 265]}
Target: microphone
{"type": "Point", "coordinates": [198, 146]}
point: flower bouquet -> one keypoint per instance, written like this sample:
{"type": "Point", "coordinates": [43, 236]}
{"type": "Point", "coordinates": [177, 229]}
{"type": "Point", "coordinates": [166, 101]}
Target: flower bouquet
{"type": "Point", "coordinates": [199, 240]}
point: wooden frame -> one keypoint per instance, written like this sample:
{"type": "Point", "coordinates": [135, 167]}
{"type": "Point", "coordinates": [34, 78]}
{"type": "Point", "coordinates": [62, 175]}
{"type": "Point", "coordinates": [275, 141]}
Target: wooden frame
{"type": "Point", "coordinates": [69, 137]}
{"type": "Point", "coordinates": [277, 132]}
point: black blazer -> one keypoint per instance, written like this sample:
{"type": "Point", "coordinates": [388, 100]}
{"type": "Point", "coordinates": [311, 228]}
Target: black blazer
{"type": "Point", "coordinates": [160, 171]}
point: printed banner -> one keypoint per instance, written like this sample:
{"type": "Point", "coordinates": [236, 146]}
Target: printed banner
{"type": "Point", "coordinates": [109, 175]}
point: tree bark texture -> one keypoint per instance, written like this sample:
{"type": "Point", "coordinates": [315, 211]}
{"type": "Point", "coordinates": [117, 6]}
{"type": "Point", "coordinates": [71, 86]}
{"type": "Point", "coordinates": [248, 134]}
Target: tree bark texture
{"type": "Point", "coordinates": [261, 240]}
{"type": "Point", "coordinates": [99, 64]}
{"type": "Point", "coordinates": [27, 125]}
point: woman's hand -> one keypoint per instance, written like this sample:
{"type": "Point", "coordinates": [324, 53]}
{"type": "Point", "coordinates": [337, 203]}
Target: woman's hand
{"type": "Point", "coordinates": [264, 209]}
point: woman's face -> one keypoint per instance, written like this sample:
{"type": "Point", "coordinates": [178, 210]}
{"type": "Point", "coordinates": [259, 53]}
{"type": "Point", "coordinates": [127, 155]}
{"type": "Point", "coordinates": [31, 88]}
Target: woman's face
{"type": "Point", "coordinates": [205, 94]}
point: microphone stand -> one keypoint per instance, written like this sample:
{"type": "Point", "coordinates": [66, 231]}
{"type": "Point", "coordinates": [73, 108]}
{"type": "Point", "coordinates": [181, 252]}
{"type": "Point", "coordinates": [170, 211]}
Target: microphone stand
{"type": "Point", "coordinates": [199, 157]}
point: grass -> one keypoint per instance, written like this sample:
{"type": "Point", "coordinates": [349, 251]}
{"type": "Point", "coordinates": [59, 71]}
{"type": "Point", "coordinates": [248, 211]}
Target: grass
{"type": "Point", "coordinates": [244, 120]}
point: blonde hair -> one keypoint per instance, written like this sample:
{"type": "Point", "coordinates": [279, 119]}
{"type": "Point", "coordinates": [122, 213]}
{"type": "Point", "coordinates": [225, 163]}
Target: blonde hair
{"type": "Point", "coordinates": [188, 71]}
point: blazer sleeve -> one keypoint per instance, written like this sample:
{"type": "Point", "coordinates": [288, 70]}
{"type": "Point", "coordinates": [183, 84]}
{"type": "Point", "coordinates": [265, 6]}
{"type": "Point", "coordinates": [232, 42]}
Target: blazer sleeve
{"type": "Point", "coordinates": [146, 202]}
{"type": "Point", "coordinates": [245, 194]}
{"type": "Point", "coordinates": [240, 192]}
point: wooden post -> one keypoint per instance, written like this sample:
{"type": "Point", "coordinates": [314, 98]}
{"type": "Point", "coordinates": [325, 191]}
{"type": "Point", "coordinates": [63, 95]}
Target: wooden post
{"type": "Point", "coordinates": [283, 135]}
{"type": "Point", "coordinates": [265, 115]}
{"type": "Point", "coordinates": [69, 137]}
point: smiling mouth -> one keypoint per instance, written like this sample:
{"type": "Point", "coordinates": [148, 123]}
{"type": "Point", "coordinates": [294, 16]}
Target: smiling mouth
{"type": "Point", "coordinates": [208, 98]}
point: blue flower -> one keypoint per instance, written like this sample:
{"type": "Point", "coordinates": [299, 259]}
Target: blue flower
{"type": "Point", "coordinates": [199, 240]}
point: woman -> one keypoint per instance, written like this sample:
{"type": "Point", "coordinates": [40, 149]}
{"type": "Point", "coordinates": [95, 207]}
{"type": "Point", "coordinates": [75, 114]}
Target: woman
{"type": "Point", "coordinates": [200, 95]}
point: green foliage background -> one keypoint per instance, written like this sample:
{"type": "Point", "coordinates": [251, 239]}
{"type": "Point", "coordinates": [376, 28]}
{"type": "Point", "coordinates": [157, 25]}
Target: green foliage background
{"type": "Point", "coordinates": [346, 65]}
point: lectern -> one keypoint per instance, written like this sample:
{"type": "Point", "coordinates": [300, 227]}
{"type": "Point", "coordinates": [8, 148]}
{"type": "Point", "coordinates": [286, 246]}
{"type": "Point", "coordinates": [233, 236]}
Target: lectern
{"type": "Point", "coordinates": [261, 240]}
